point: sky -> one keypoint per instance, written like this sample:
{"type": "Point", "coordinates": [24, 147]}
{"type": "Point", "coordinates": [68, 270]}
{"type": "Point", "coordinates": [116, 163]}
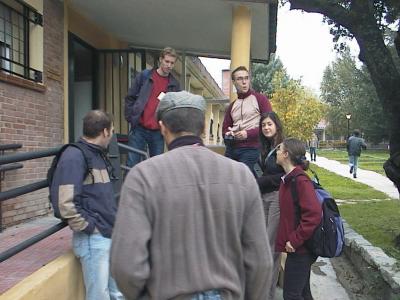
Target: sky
{"type": "Point", "coordinates": [304, 46]}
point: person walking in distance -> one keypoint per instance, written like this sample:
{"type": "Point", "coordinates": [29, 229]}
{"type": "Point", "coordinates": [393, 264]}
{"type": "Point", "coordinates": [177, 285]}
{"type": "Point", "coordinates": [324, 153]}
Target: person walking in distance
{"type": "Point", "coordinates": [141, 102]}
{"type": "Point", "coordinates": [190, 223]}
{"type": "Point", "coordinates": [313, 147]}
{"type": "Point", "coordinates": [85, 199]}
{"type": "Point", "coordinates": [271, 135]}
{"type": "Point", "coordinates": [354, 145]}
{"type": "Point", "coordinates": [241, 121]}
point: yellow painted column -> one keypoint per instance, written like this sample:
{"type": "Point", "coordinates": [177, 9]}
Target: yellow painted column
{"type": "Point", "coordinates": [241, 39]}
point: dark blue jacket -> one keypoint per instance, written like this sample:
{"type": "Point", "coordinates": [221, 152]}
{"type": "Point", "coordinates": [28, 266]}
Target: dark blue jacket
{"type": "Point", "coordinates": [86, 203]}
{"type": "Point", "coordinates": [272, 173]}
{"type": "Point", "coordinates": [354, 145]}
{"type": "Point", "coordinates": [139, 93]}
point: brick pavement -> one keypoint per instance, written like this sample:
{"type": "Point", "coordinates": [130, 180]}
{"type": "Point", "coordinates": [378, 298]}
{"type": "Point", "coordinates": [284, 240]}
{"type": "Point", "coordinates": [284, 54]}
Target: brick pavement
{"type": "Point", "coordinates": [33, 258]}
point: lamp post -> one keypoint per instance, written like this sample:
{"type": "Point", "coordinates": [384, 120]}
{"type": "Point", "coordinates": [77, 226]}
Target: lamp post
{"type": "Point", "coordinates": [348, 117]}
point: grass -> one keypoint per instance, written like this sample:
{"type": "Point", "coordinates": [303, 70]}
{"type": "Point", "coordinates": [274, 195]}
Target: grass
{"type": "Point", "coordinates": [377, 221]}
{"type": "Point", "coordinates": [345, 188]}
{"type": "Point", "coordinates": [369, 160]}
{"type": "Point", "coordinates": [369, 212]}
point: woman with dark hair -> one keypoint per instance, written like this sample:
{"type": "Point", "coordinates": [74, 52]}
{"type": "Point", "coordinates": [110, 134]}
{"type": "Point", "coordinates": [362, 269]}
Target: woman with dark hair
{"type": "Point", "coordinates": [297, 221]}
{"type": "Point", "coordinates": [271, 134]}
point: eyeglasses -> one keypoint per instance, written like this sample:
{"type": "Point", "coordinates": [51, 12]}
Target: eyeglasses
{"type": "Point", "coordinates": [245, 78]}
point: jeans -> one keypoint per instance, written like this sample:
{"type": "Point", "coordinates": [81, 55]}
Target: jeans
{"type": "Point", "coordinates": [140, 137]}
{"type": "Point", "coordinates": [353, 162]}
{"type": "Point", "coordinates": [296, 282]}
{"type": "Point", "coordinates": [208, 295]}
{"type": "Point", "coordinates": [313, 153]}
{"type": "Point", "coordinates": [272, 215]}
{"type": "Point", "coordinates": [93, 251]}
{"type": "Point", "coordinates": [246, 155]}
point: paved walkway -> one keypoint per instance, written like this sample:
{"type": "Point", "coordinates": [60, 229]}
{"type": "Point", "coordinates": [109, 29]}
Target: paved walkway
{"type": "Point", "coordinates": [370, 178]}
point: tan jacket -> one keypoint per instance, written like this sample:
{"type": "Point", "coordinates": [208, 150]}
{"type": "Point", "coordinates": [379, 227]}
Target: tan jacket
{"type": "Point", "coordinates": [190, 220]}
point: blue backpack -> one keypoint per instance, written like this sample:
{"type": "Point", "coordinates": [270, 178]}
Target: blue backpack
{"type": "Point", "coordinates": [328, 238]}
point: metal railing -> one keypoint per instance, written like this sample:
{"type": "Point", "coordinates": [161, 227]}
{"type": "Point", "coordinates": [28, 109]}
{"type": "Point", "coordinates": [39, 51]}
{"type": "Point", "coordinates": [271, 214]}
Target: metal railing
{"type": "Point", "coordinates": [114, 155]}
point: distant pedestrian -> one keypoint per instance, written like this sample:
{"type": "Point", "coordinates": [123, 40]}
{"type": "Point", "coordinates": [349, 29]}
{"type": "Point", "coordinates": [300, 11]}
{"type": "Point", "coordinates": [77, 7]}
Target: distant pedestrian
{"type": "Point", "coordinates": [296, 225]}
{"type": "Point", "coordinates": [271, 134]}
{"type": "Point", "coordinates": [313, 147]}
{"type": "Point", "coordinates": [354, 146]}
{"type": "Point", "coordinates": [190, 223]}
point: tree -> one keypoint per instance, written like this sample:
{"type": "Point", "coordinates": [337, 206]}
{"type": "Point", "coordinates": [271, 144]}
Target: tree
{"type": "Point", "coordinates": [262, 75]}
{"type": "Point", "coordinates": [366, 21]}
{"type": "Point", "coordinates": [349, 89]}
{"type": "Point", "coordinates": [299, 110]}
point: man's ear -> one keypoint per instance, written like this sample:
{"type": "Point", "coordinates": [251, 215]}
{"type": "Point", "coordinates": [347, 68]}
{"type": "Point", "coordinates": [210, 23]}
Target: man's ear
{"type": "Point", "coordinates": [163, 128]}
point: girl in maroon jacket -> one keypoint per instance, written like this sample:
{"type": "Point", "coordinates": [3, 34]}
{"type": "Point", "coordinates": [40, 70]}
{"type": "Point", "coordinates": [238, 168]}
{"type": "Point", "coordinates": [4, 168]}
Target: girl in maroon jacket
{"type": "Point", "coordinates": [294, 230]}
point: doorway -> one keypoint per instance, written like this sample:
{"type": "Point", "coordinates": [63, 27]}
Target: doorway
{"type": "Point", "coordinates": [82, 59]}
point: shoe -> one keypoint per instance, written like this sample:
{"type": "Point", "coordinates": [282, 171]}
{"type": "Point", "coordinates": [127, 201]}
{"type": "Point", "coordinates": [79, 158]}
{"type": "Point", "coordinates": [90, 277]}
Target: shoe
{"type": "Point", "coordinates": [354, 175]}
{"type": "Point", "coordinates": [351, 169]}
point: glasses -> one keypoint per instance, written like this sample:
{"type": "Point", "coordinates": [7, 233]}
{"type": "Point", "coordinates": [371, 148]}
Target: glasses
{"type": "Point", "coordinates": [245, 78]}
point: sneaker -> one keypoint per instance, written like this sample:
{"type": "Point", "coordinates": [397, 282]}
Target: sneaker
{"type": "Point", "coordinates": [354, 175]}
{"type": "Point", "coordinates": [351, 169]}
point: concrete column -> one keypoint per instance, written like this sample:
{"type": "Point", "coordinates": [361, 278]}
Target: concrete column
{"type": "Point", "coordinates": [206, 136]}
{"type": "Point", "coordinates": [188, 87]}
{"type": "Point", "coordinates": [183, 80]}
{"type": "Point", "coordinates": [215, 111]}
{"type": "Point", "coordinates": [241, 39]}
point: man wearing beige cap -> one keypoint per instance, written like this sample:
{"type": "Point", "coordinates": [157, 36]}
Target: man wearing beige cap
{"type": "Point", "coordinates": [190, 222]}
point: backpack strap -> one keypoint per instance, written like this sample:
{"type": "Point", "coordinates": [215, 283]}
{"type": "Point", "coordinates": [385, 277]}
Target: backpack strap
{"type": "Point", "coordinates": [87, 158]}
{"type": "Point", "coordinates": [295, 198]}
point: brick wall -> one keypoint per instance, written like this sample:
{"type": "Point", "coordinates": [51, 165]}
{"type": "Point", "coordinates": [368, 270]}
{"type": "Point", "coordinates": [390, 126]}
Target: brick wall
{"type": "Point", "coordinates": [34, 118]}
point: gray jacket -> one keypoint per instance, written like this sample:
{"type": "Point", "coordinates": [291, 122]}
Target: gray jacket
{"type": "Point", "coordinates": [139, 93]}
{"type": "Point", "coordinates": [354, 145]}
{"type": "Point", "coordinates": [191, 220]}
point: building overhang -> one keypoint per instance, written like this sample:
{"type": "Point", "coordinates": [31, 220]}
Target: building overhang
{"type": "Point", "coordinates": [197, 27]}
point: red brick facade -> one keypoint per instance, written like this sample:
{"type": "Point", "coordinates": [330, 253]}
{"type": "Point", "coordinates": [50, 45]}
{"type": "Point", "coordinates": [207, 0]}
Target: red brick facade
{"type": "Point", "coordinates": [34, 117]}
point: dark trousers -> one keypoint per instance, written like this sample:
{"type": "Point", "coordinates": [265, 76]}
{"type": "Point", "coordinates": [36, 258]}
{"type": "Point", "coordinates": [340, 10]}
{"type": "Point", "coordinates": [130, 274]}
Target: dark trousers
{"type": "Point", "coordinates": [296, 283]}
{"type": "Point", "coordinates": [246, 155]}
{"type": "Point", "coordinates": [313, 153]}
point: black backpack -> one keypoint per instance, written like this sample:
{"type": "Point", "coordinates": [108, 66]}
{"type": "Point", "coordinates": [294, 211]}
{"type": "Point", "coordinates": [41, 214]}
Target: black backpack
{"type": "Point", "coordinates": [392, 168]}
{"type": "Point", "coordinates": [53, 166]}
{"type": "Point", "coordinates": [328, 238]}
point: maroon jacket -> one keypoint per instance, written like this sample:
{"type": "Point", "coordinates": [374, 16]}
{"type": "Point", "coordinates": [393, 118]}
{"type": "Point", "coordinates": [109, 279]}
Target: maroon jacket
{"type": "Point", "coordinates": [310, 210]}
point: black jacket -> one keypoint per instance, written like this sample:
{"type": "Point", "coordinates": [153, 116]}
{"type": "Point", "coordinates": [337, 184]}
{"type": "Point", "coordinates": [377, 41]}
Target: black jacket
{"type": "Point", "coordinates": [272, 173]}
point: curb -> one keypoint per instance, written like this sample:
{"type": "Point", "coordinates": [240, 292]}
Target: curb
{"type": "Point", "coordinates": [381, 271]}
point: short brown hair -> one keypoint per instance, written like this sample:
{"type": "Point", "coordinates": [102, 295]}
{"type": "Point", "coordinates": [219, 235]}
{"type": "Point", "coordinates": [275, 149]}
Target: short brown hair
{"type": "Point", "coordinates": [95, 121]}
{"type": "Point", "coordinates": [240, 68]}
{"type": "Point", "coordinates": [168, 51]}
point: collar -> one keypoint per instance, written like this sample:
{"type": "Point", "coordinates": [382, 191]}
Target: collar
{"type": "Point", "coordinates": [92, 146]}
{"type": "Point", "coordinates": [244, 95]}
{"type": "Point", "coordinates": [185, 141]}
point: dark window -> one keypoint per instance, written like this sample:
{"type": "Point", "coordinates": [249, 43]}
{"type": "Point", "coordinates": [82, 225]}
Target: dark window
{"type": "Point", "coordinates": [16, 20]}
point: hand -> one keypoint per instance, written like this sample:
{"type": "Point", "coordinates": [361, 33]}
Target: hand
{"type": "Point", "coordinates": [289, 248]}
{"type": "Point", "coordinates": [241, 135]}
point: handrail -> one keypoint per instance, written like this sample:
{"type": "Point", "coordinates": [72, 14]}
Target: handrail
{"type": "Point", "coordinates": [4, 147]}
{"type": "Point", "coordinates": [29, 242]}
{"type": "Point", "coordinates": [12, 158]}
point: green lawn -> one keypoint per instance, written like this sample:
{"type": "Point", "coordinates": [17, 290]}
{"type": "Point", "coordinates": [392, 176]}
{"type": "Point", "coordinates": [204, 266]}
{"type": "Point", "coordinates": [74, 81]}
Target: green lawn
{"type": "Point", "coordinates": [369, 212]}
{"type": "Point", "coordinates": [369, 160]}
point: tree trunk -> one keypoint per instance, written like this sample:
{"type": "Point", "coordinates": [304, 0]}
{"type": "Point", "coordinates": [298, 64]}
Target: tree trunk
{"type": "Point", "coordinates": [361, 23]}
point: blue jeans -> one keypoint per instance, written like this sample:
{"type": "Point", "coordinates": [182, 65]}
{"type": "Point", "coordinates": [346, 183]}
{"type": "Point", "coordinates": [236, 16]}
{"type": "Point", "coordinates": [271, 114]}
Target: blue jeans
{"type": "Point", "coordinates": [246, 155]}
{"type": "Point", "coordinates": [208, 295]}
{"type": "Point", "coordinates": [353, 162]}
{"type": "Point", "coordinates": [93, 251]}
{"type": "Point", "coordinates": [140, 138]}
{"type": "Point", "coordinates": [313, 153]}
